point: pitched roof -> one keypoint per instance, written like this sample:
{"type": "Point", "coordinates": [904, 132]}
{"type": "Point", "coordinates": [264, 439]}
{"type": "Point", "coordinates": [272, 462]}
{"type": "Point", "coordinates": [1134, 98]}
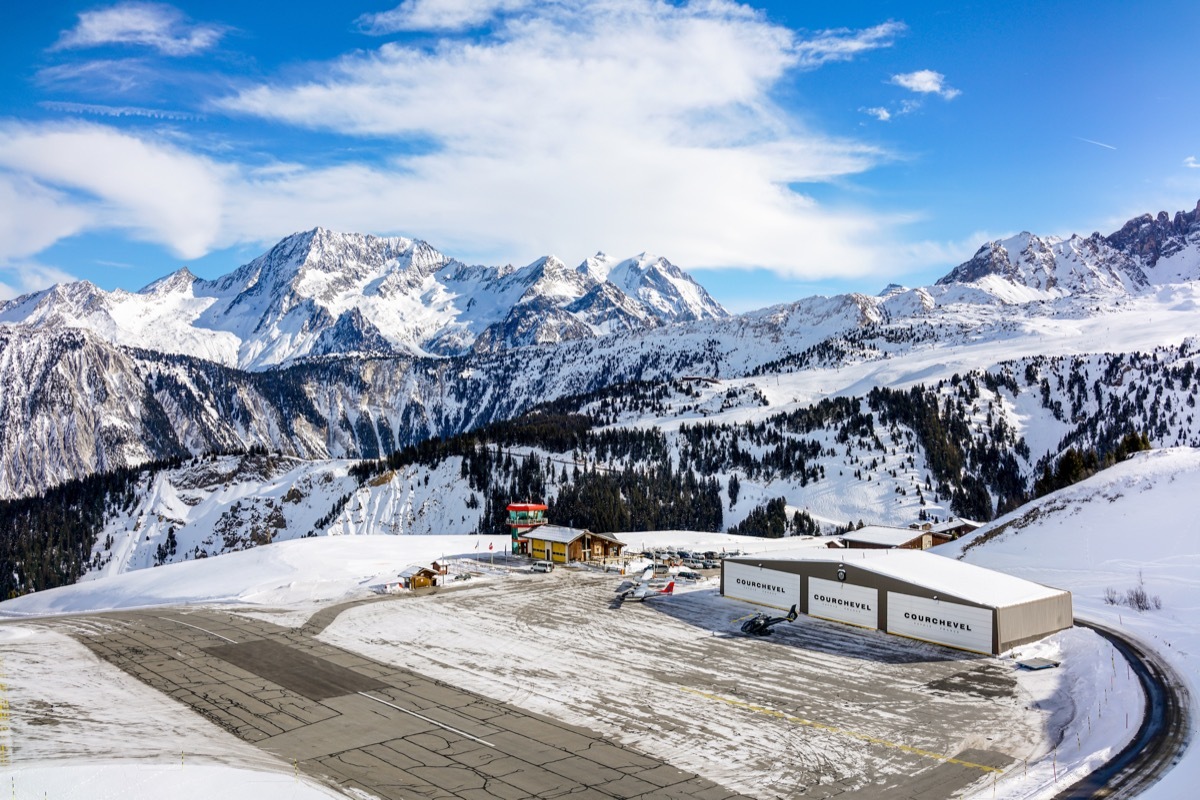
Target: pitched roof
{"type": "Point", "coordinates": [883, 535]}
{"type": "Point", "coordinates": [562, 535]}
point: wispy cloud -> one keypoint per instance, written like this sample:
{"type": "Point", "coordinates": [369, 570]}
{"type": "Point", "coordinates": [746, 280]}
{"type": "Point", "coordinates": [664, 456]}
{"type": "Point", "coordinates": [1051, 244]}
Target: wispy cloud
{"type": "Point", "coordinates": [25, 277]}
{"type": "Point", "coordinates": [437, 15]}
{"type": "Point", "coordinates": [1098, 144]}
{"type": "Point", "coordinates": [121, 76]}
{"type": "Point", "coordinates": [97, 109]}
{"type": "Point", "coordinates": [1191, 162]}
{"type": "Point", "coordinates": [558, 125]}
{"type": "Point", "coordinates": [886, 114]}
{"type": "Point", "coordinates": [843, 44]}
{"type": "Point", "coordinates": [627, 125]}
{"type": "Point", "coordinates": [35, 216]}
{"type": "Point", "coordinates": [158, 26]}
{"type": "Point", "coordinates": [86, 175]}
{"type": "Point", "coordinates": [926, 81]}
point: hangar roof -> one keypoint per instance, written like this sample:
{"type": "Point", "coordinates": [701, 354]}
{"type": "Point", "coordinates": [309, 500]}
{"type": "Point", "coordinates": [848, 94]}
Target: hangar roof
{"type": "Point", "coordinates": [934, 572]}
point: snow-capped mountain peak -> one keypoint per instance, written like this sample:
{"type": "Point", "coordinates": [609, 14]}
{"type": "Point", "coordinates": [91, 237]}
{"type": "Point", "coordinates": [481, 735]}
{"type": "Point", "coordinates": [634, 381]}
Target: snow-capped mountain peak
{"type": "Point", "coordinates": [321, 292]}
{"type": "Point", "coordinates": [1147, 251]}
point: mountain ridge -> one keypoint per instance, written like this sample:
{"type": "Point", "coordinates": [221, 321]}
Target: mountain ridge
{"type": "Point", "coordinates": [76, 398]}
{"type": "Point", "coordinates": [320, 292]}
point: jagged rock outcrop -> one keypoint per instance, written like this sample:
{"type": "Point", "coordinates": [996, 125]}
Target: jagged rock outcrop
{"type": "Point", "coordinates": [325, 293]}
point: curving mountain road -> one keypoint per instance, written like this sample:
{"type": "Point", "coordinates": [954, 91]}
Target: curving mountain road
{"type": "Point", "coordinates": [1161, 738]}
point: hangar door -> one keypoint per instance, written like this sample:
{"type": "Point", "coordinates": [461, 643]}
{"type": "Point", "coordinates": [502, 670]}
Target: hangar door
{"type": "Point", "coordinates": [843, 602]}
{"type": "Point", "coordinates": [953, 624]}
{"type": "Point", "coordinates": [766, 587]}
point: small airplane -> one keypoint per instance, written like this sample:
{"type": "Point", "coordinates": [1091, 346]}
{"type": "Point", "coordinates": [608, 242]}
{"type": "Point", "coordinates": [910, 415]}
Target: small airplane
{"type": "Point", "coordinates": [760, 624]}
{"type": "Point", "coordinates": [643, 588]}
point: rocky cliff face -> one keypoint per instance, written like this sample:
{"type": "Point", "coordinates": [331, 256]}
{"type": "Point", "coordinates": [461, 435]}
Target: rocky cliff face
{"type": "Point", "coordinates": [1146, 251]}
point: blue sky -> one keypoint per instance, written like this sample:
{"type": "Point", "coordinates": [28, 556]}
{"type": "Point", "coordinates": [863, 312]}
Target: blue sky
{"type": "Point", "coordinates": [775, 150]}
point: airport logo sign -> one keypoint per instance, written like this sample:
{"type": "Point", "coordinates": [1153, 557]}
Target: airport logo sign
{"type": "Point", "coordinates": [844, 602]}
{"type": "Point", "coordinates": [940, 621]}
{"type": "Point", "coordinates": [765, 587]}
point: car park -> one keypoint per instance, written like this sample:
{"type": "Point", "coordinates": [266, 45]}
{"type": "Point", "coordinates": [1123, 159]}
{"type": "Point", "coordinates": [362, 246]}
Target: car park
{"type": "Point", "coordinates": [688, 575]}
{"type": "Point", "coordinates": [710, 563]}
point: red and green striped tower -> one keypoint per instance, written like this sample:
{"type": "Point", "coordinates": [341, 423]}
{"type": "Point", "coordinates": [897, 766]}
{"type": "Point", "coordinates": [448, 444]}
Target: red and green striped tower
{"type": "Point", "coordinates": [522, 518]}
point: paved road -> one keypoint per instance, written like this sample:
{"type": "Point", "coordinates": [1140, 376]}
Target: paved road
{"type": "Point", "coordinates": [1161, 738]}
{"type": "Point", "coordinates": [361, 724]}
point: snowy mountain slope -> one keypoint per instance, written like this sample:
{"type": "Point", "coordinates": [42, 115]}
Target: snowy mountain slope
{"type": "Point", "coordinates": [1145, 252]}
{"type": "Point", "coordinates": [317, 293]}
{"type": "Point", "coordinates": [1129, 527]}
{"type": "Point", "coordinates": [321, 292]}
{"type": "Point", "coordinates": [156, 406]}
{"type": "Point", "coordinates": [840, 461]}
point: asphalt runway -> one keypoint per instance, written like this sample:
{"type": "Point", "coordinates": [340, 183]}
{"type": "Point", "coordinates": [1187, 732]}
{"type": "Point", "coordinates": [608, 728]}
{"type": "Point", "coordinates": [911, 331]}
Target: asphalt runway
{"type": "Point", "coordinates": [359, 724]}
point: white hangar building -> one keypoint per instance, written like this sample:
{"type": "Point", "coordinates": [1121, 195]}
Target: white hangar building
{"type": "Point", "coordinates": [906, 592]}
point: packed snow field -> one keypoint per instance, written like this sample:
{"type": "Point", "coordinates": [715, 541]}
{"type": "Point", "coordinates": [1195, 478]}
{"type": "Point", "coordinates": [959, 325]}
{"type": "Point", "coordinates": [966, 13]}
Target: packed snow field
{"type": "Point", "coordinates": [765, 717]}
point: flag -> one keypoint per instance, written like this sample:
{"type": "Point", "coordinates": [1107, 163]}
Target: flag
{"type": "Point", "coordinates": [490, 545]}
{"type": "Point", "coordinates": [476, 544]}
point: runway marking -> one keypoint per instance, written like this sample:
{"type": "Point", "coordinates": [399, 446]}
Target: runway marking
{"type": "Point", "coordinates": [841, 731]}
{"type": "Point", "coordinates": [197, 627]}
{"type": "Point", "coordinates": [430, 721]}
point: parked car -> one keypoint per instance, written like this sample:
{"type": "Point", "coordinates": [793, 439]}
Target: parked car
{"type": "Point", "coordinates": [693, 564]}
{"type": "Point", "coordinates": [661, 569]}
{"type": "Point", "coordinates": [710, 563]}
{"type": "Point", "coordinates": [542, 566]}
{"type": "Point", "coordinates": [711, 555]}
{"type": "Point", "coordinates": [688, 575]}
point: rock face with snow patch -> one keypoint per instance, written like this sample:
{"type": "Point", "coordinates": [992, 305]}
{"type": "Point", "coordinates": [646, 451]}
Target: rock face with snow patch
{"type": "Point", "coordinates": [1054, 266]}
{"type": "Point", "coordinates": [1146, 251]}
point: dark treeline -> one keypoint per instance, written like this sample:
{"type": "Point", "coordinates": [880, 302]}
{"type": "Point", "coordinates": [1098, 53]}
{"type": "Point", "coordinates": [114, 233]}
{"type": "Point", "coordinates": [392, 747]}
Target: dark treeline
{"type": "Point", "coordinates": [771, 521]}
{"type": "Point", "coordinates": [1074, 465]}
{"type": "Point", "coordinates": [659, 498]}
{"type": "Point", "coordinates": [47, 541]}
{"type": "Point", "coordinates": [964, 464]}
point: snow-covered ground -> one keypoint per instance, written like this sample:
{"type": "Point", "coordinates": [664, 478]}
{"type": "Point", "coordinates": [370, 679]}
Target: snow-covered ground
{"type": "Point", "coordinates": [72, 726]}
{"type": "Point", "coordinates": [289, 580]}
{"type": "Point", "coordinates": [1131, 526]}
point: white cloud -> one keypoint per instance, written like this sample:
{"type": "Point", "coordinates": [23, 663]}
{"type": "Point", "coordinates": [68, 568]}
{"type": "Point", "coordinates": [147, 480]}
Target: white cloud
{"type": "Point", "coordinates": [437, 15]}
{"type": "Point", "coordinates": [33, 217]}
{"type": "Point", "coordinates": [926, 81]}
{"type": "Point", "coordinates": [23, 278]}
{"type": "Point", "coordinates": [878, 112]}
{"type": "Point", "coordinates": [97, 176]}
{"type": "Point", "coordinates": [844, 44]}
{"type": "Point", "coordinates": [626, 125]}
{"type": "Point", "coordinates": [1191, 161]}
{"type": "Point", "coordinates": [161, 27]}
{"type": "Point", "coordinates": [623, 125]}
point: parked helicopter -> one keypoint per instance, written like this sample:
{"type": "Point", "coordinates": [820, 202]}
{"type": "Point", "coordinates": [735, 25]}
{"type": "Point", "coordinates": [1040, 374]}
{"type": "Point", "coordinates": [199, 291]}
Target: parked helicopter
{"type": "Point", "coordinates": [761, 624]}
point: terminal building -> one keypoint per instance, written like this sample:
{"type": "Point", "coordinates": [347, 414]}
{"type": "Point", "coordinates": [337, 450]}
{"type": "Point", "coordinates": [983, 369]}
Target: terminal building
{"type": "Point", "coordinates": [905, 592]}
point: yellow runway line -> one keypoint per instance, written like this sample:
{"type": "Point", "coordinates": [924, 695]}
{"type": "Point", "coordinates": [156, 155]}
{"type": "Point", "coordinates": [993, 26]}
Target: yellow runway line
{"type": "Point", "coordinates": [841, 732]}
